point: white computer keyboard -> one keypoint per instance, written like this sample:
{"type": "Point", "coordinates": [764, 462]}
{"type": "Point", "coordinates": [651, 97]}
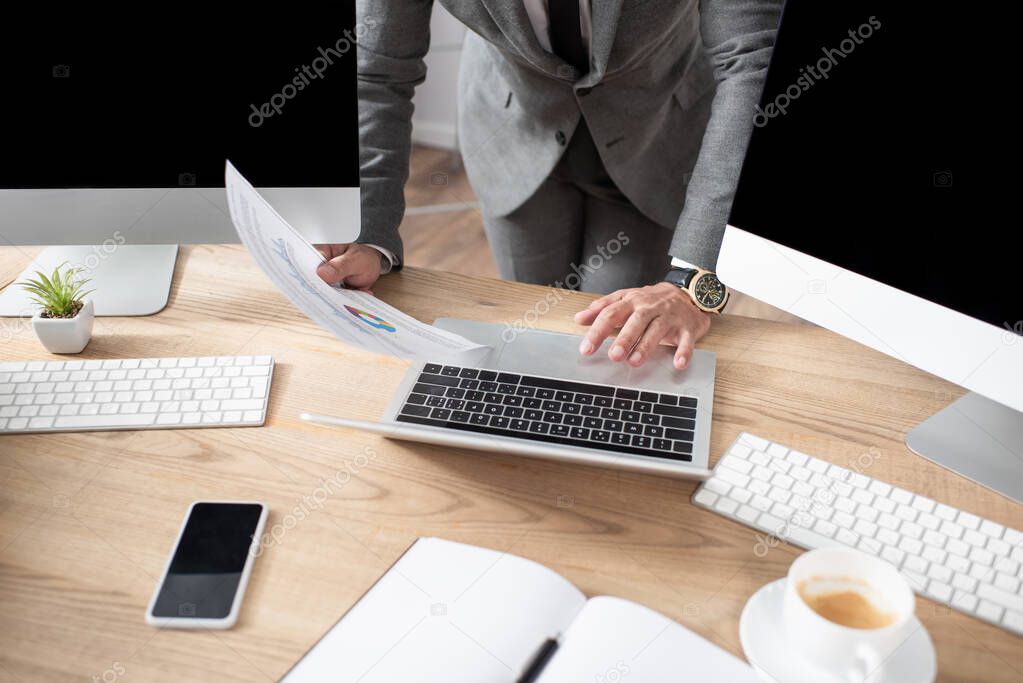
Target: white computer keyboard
{"type": "Point", "coordinates": [968, 563]}
{"type": "Point", "coordinates": [140, 393]}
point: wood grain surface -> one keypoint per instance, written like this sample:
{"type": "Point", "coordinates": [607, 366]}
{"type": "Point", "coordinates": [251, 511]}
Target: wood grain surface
{"type": "Point", "coordinates": [87, 519]}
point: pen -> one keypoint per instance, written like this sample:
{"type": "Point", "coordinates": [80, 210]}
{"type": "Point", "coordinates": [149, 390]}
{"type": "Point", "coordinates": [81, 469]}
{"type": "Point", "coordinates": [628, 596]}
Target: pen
{"type": "Point", "coordinates": [543, 656]}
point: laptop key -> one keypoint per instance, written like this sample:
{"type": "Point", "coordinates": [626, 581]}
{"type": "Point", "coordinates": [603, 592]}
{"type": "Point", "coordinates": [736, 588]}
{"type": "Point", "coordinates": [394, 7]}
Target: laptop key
{"type": "Point", "coordinates": [552, 405]}
{"type": "Point", "coordinates": [679, 423]}
{"type": "Point", "coordinates": [687, 401]}
{"type": "Point", "coordinates": [562, 396]}
{"type": "Point", "coordinates": [559, 430]}
{"type": "Point", "coordinates": [591, 411]}
{"type": "Point", "coordinates": [599, 435]}
{"type": "Point", "coordinates": [512, 400]}
{"type": "Point", "coordinates": [440, 414]}
{"type": "Point", "coordinates": [430, 389]}
{"type": "Point", "coordinates": [469, 373]}
{"type": "Point", "coordinates": [668, 399]}
{"type": "Point", "coordinates": [525, 391]}
{"type": "Point", "coordinates": [554, 418]}
{"type": "Point", "coordinates": [488, 386]}
{"type": "Point", "coordinates": [511, 411]}
{"type": "Point", "coordinates": [648, 396]}
{"type": "Point", "coordinates": [455, 393]}
{"type": "Point", "coordinates": [435, 401]}
{"type": "Point", "coordinates": [602, 401]}
{"type": "Point", "coordinates": [650, 419]}
{"type": "Point", "coordinates": [611, 414]}
{"type": "Point", "coordinates": [573, 420]}
{"type": "Point", "coordinates": [492, 398]}
{"type": "Point", "coordinates": [520, 425]}
{"type": "Point", "coordinates": [431, 368]}
{"type": "Point", "coordinates": [492, 409]}
{"type": "Point", "coordinates": [532, 403]}
{"type": "Point", "coordinates": [641, 407]}
{"type": "Point", "coordinates": [592, 422]}
{"type": "Point", "coordinates": [622, 404]}
{"type": "Point", "coordinates": [450, 371]}
{"type": "Point", "coordinates": [641, 441]}
{"type": "Point", "coordinates": [469, 384]}
{"type": "Point", "coordinates": [620, 438]}
{"type": "Point", "coordinates": [545, 393]}
{"type": "Point", "coordinates": [678, 434]}
{"type": "Point", "coordinates": [571, 408]}
{"type": "Point", "coordinates": [631, 394]}
{"type": "Point", "coordinates": [421, 411]}
{"type": "Point", "coordinates": [533, 415]}
{"type": "Point", "coordinates": [488, 375]}
{"type": "Point", "coordinates": [444, 380]}
{"type": "Point", "coordinates": [580, 433]}
{"type": "Point", "coordinates": [630, 416]}
{"type": "Point", "coordinates": [539, 427]}
{"type": "Point", "coordinates": [505, 388]}
{"type": "Point", "coordinates": [564, 385]}
{"type": "Point", "coordinates": [584, 399]}
{"type": "Point", "coordinates": [455, 404]}
{"type": "Point", "coordinates": [675, 411]}
{"type": "Point", "coordinates": [474, 395]}
{"type": "Point", "coordinates": [460, 416]}
{"type": "Point", "coordinates": [633, 428]}
{"type": "Point", "coordinates": [509, 377]}
{"type": "Point", "coordinates": [650, 430]}
{"type": "Point", "coordinates": [479, 419]}
{"type": "Point", "coordinates": [474, 407]}
{"type": "Point", "coordinates": [613, 425]}
{"type": "Point", "coordinates": [662, 445]}
{"type": "Point", "coordinates": [498, 421]}
{"type": "Point", "coordinates": [417, 398]}
{"type": "Point", "coordinates": [682, 447]}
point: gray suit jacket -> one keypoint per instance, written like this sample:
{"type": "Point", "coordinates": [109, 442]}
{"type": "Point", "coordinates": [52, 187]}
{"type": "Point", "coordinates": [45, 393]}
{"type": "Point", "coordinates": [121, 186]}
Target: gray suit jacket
{"type": "Point", "coordinates": [668, 99]}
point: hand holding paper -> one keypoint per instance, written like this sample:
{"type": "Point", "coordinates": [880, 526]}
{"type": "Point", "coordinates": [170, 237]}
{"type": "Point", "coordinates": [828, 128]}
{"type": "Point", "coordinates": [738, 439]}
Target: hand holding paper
{"type": "Point", "coordinates": [354, 317]}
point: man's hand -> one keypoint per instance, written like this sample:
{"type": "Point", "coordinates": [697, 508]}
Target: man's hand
{"type": "Point", "coordinates": [646, 316]}
{"type": "Point", "coordinates": [356, 266]}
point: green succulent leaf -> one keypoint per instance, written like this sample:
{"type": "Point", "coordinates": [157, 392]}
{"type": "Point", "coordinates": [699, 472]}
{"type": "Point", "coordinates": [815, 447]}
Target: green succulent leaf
{"type": "Point", "coordinates": [59, 294]}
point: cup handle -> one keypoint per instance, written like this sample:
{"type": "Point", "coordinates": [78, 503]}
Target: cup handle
{"type": "Point", "coordinates": [868, 661]}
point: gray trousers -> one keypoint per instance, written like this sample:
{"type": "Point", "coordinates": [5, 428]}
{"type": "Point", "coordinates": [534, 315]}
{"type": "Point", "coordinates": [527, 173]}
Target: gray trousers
{"type": "Point", "coordinates": [579, 231]}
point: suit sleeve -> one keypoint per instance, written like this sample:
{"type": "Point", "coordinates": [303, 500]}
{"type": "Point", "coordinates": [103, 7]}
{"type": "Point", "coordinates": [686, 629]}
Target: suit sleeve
{"type": "Point", "coordinates": [390, 52]}
{"type": "Point", "coordinates": [738, 36]}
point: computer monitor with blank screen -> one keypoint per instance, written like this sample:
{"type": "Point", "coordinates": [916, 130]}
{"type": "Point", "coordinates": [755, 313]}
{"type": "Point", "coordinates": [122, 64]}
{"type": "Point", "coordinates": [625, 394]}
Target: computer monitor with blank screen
{"type": "Point", "coordinates": [873, 202]}
{"type": "Point", "coordinates": [116, 133]}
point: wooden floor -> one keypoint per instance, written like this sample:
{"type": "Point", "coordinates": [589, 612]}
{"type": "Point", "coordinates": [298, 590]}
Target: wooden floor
{"type": "Point", "coordinates": [443, 228]}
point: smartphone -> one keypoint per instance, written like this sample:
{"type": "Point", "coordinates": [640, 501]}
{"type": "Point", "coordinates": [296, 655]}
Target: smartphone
{"type": "Point", "coordinates": [204, 581]}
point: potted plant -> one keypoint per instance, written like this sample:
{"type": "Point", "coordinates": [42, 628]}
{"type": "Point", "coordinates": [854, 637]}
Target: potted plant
{"type": "Point", "coordinates": [64, 321]}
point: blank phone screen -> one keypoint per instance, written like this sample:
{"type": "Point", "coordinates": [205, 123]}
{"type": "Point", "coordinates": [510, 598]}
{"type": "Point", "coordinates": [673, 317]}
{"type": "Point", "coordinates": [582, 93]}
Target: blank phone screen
{"type": "Point", "coordinates": [208, 562]}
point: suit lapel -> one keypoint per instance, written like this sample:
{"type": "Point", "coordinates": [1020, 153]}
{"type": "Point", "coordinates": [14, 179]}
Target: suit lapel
{"type": "Point", "coordinates": [511, 19]}
{"type": "Point", "coordinates": [605, 14]}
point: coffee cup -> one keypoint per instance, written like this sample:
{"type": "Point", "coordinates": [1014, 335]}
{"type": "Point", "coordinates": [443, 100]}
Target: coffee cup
{"type": "Point", "coordinates": [847, 612]}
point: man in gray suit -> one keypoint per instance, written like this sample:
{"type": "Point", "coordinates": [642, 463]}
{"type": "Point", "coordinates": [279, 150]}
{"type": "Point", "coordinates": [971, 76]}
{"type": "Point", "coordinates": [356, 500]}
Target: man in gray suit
{"type": "Point", "coordinates": [588, 127]}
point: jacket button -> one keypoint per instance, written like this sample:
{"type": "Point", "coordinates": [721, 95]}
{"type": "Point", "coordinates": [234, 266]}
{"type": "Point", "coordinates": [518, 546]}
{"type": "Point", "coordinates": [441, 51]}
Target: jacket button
{"type": "Point", "coordinates": [560, 137]}
{"type": "Point", "coordinates": [583, 92]}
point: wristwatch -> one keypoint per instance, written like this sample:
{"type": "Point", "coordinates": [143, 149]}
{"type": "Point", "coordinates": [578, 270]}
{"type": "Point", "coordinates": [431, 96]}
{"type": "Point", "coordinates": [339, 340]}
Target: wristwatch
{"type": "Point", "coordinates": [703, 287]}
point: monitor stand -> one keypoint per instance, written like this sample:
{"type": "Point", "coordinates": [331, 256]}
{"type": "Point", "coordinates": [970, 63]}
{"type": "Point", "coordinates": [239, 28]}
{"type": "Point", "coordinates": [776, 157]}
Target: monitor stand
{"type": "Point", "coordinates": [128, 279]}
{"type": "Point", "coordinates": [978, 438]}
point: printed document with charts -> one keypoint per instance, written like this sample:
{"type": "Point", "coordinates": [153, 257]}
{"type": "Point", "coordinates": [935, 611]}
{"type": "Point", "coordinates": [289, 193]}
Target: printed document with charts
{"type": "Point", "coordinates": [353, 316]}
{"type": "Point", "coordinates": [457, 613]}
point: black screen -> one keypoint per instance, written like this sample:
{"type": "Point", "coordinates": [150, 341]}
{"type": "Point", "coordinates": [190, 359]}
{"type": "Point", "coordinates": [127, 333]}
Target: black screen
{"type": "Point", "coordinates": [208, 562]}
{"type": "Point", "coordinates": [898, 162]}
{"type": "Point", "coordinates": [101, 96]}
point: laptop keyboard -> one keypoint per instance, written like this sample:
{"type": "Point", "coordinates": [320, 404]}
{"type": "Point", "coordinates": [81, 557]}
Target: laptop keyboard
{"type": "Point", "coordinates": [599, 416]}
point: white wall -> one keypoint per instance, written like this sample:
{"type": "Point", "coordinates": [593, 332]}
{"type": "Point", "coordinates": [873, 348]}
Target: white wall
{"type": "Point", "coordinates": [434, 120]}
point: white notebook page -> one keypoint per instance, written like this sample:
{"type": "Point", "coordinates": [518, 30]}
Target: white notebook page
{"type": "Point", "coordinates": [445, 612]}
{"type": "Point", "coordinates": [615, 640]}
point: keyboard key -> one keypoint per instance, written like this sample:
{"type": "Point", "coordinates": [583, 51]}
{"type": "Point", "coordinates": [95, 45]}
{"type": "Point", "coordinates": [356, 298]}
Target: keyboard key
{"type": "Point", "coordinates": [675, 411]}
{"type": "Point", "coordinates": [575, 387]}
{"type": "Point", "coordinates": [443, 380]}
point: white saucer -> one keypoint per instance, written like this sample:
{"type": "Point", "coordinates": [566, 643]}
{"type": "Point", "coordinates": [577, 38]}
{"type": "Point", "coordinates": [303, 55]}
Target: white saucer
{"type": "Point", "coordinates": [775, 659]}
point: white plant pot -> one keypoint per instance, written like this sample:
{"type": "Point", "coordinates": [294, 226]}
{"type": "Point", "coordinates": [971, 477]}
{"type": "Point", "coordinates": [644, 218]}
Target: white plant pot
{"type": "Point", "coordinates": [65, 335]}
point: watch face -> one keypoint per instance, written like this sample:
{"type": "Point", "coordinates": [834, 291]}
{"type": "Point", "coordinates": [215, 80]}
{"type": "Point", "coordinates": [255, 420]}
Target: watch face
{"type": "Point", "coordinates": [709, 291]}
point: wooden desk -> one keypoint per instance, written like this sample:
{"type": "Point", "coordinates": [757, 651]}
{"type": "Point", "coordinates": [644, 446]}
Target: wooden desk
{"type": "Point", "coordinates": [87, 519]}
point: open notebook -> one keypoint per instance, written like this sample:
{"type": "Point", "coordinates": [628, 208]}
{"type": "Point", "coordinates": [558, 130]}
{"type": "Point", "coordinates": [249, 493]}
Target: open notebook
{"type": "Point", "coordinates": [457, 613]}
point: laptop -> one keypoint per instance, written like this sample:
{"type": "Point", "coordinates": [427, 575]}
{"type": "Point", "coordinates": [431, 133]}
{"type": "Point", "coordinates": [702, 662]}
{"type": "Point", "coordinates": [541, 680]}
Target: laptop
{"type": "Point", "coordinates": [533, 394]}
